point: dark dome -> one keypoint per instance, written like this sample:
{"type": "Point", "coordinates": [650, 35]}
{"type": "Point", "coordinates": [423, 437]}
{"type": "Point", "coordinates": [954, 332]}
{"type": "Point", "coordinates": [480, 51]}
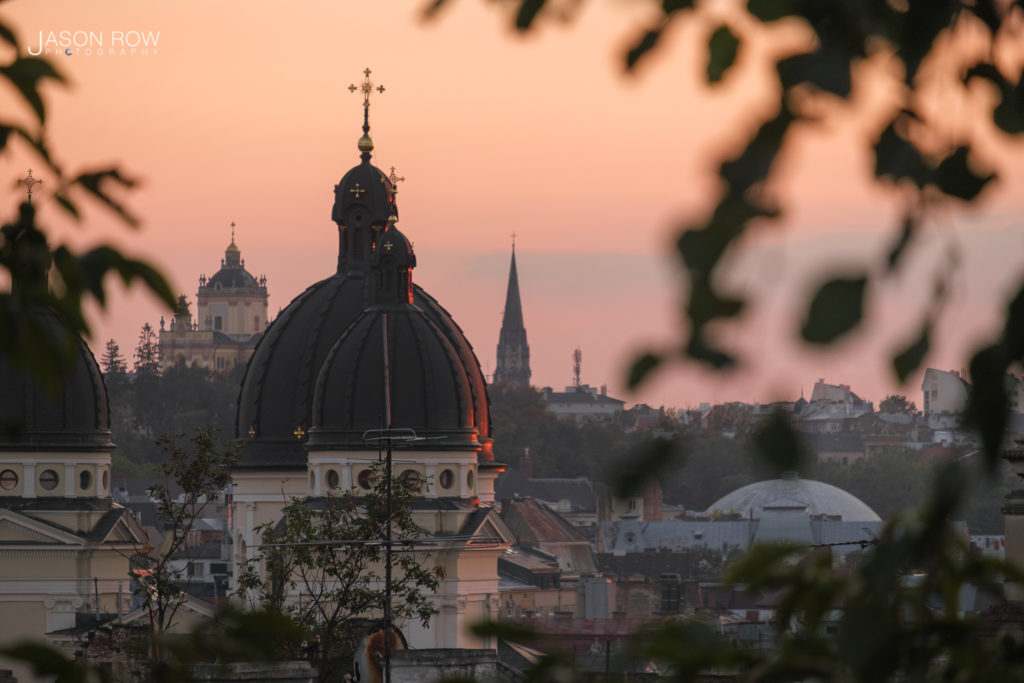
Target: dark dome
{"type": "Point", "coordinates": [365, 186]}
{"type": "Point", "coordinates": [232, 278]}
{"type": "Point", "coordinates": [392, 244]}
{"type": "Point", "coordinates": [77, 418]}
{"type": "Point", "coordinates": [430, 390]}
{"type": "Point", "coordinates": [277, 392]}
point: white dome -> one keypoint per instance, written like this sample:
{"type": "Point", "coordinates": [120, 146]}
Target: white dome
{"type": "Point", "coordinates": [819, 498]}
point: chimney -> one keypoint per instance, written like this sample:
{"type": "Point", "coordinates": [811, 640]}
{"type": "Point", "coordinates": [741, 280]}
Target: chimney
{"type": "Point", "coordinates": [526, 464]}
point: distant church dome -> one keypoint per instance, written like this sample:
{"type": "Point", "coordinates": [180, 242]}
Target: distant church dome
{"type": "Point", "coordinates": [232, 273]}
{"type": "Point", "coordinates": [818, 497]}
{"type": "Point", "coordinates": [275, 408]}
{"type": "Point", "coordinates": [76, 418]}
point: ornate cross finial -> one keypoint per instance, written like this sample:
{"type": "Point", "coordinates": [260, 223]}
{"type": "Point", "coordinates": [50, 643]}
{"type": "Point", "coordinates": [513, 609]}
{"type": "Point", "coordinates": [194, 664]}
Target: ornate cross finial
{"type": "Point", "coordinates": [395, 179]}
{"type": "Point", "coordinates": [366, 87]}
{"type": "Point", "coordinates": [513, 241]}
{"type": "Point", "coordinates": [232, 232]}
{"type": "Point", "coordinates": [28, 181]}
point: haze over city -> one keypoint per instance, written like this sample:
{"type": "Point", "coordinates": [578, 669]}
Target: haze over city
{"type": "Point", "coordinates": [244, 115]}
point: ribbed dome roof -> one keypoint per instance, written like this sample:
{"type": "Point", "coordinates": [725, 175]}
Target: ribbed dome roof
{"type": "Point", "coordinates": [364, 186]}
{"type": "Point", "coordinates": [277, 392]}
{"type": "Point", "coordinates": [77, 418]}
{"type": "Point", "coordinates": [819, 498]}
{"type": "Point", "coordinates": [430, 390]}
{"type": "Point", "coordinates": [232, 278]}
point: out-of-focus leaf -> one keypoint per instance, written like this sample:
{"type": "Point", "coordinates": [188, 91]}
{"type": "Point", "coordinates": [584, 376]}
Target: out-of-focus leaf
{"type": "Point", "coordinates": [96, 183]}
{"type": "Point", "coordinates": [47, 661]}
{"type": "Point", "coordinates": [7, 35]}
{"type": "Point", "coordinates": [835, 309]}
{"type": "Point", "coordinates": [923, 21]}
{"type": "Point", "coordinates": [670, 6]}
{"type": "Point", "coordinates": [754, 163]}
{"type": "Point", "coordinates": [505, 630]}
{"type": "Point", "coordinates": [827, 68]}
{"type": "Point", "coordinates": [528, 10]}
{"type": "Point", "coordinates": [699, 349]}
{"type": "Point", "coordinates": [642, 366]}
{"type": "Point", "coordinates": [909, 359]}
{"type": "Point", "coordinates": [722, 49]}
{"type": "Point", "coordinates": [987, 406]}
{"type": "Point", "coordinates": [646, 43]}
{"type": "Point", "coordinates": [25, 73]}
{"type": "Point", "coordinates": [989, 12]}
{"type": "Point", "coordinates": [907, 230]}
{"type": "Point", "coordinates": [706, 305]}
{"type": "Point", "coordinates": [778, 446]}
{"type": "Point", "coordinates": [955, 177]}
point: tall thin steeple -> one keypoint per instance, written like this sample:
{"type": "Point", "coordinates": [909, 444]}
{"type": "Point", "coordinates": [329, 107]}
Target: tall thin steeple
{"type": "Point", "coordinates": [513, 367]}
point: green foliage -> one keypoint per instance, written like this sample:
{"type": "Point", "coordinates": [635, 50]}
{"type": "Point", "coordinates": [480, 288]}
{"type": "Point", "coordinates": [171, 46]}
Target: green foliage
{"type": "Point", "coordinates": [321, 565]}
{"type": "Point", "coordinates": [54, 278]}
{"type": "Point", "coordinates": [896, 403]}
{"type": "Point", "coordinates": [112, 362]}
{"type": "Point", "coordinates": [202, 469]}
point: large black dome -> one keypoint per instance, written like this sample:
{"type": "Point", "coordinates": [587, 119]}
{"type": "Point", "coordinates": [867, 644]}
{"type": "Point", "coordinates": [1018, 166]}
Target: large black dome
{"type": "Point", "coordinates": [430, 389]}
{"type": "Point", "coordinates": [76, 418]}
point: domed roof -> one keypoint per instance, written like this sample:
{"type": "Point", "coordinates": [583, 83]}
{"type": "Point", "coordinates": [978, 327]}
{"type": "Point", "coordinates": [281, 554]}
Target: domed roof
{"type": "Point", "coordinates": [364, 186]}
{"type": "Point", "coordinates": [232, 273]}
{"type": "Point", "coordinates": [429, 389]}
{"type": "Point", "coordinates": [76, 418]}
{"type": "Point", "coordinates": [819, 498]}
{"type": "Point", "coordinates": [276, 397]}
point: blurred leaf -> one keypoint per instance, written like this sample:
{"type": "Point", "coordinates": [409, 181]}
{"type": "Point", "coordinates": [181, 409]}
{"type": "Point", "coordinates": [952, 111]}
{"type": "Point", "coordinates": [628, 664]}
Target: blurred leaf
{"type": "Point", "coordinates": [909, 359]}
{"type": "Point", "coordinates": [505, 630]}
{"type": "Point", "coordinates": [755, 162]}
{"type": "Point", "coordinates": [902, 241]}
{"type": "Point", "coordinates": [706, 305]}
{"type": "Point", "coordinates": [987, 406]}
{"type": "Point", "coordinates": [699, 349]}
{"type": "Point", "coordinates": [955, 177]}
{"type": "Point", "coordinates": [722, 49]}
{"type": "Point", "coordinates": [670, 6]}
{"type": "Point", "coordinates": [25, 73]}
{"type": "Point", "coordinates": [642, 366]}
{"type": "Point", "coordinates": [835, 310]}
{"type": "Point", "coordinates": [646, 43]}
{"type": "Point", "coordinates": [96, 183]}
{"type": "Point", "coordinates": [827, 68]}
{"type": "Point", "coordinates": [779, 447]}
{"type": "Point", "coordinates": [7, 35]}
{"type": "Point", "coordinates": [46, 661]}
{"type": "Point", "coordinates": [527, 13]}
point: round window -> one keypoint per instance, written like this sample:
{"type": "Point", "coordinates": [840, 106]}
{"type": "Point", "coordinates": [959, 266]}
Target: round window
{"type": "Point", "coordinates": [332, 478]}
{"type": "Point", "coordinates": [446, 479]}
{"type": "Point", "coordinates": [49, 480]}
{"type": "Point", "coordinates": [469, 480]}
{"type": "Point", "coordinates": [84, 480]}
{"type": "Point", "coordinates": [412, 480]}
{"type": "Point", "coordinates": [366, 479]}
{"type": "Point", "coordinates": [8, 479]}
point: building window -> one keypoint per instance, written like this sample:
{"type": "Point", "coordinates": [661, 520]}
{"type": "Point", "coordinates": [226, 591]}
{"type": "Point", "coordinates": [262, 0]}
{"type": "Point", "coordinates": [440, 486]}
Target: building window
{"type": "Point", "coordinates": [469, 480]}
{"type": "Point", "coordinates": [8, 479]}
{"type": "Point", "coordinates": [412, 480]}
{"type": "Point", "coordinates": [365, 479]}
{"type": "Point", "coordinates": [332, 479]}
{"type": "Point", "coordinates": [106, 480]}
{"type": "Point", "coordinates": [255, 323]}
{"type": "Point", "coordinates": [49, 480]}
{"type": "Point", "coordinates": [84, 480]}
{"type": "Point", "coordinates": [218, 322]}
{"type": "Point", "coordinates": [446, 479]}
{"type": "Point", "coordinates": [220, 363]}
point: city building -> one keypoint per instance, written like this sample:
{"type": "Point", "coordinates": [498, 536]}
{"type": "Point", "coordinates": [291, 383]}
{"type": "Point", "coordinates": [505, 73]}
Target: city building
{"type": "Point", "coordinates": [582, 402]}
{"type": "Point", "coordinates": [231, 316]}
{"type": "Point", "coordinates": [944, 392]}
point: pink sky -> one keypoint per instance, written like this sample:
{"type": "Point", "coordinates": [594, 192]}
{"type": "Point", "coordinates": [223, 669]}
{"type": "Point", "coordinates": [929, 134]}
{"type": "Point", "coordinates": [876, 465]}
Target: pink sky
{"type": "Point", "coordinates": [243, 114]}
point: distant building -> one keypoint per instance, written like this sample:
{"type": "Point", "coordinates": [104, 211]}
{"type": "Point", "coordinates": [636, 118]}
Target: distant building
{"type": "Point", "coordinates": [830, 407]}
{"type": "Point", "coordinates": [231, 317]}
{"type": "Point", "coordinates": [513, 368]}
{"type": "Point", "coordinates": [581, 402]}
{"type": "Point", "coordinates": [945, 392]}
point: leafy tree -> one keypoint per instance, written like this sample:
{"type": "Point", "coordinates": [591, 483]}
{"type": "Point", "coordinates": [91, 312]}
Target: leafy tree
{"type": "Point", "coordinates": [202, 469]}
{"type": "Point", "coordinates": [112, 362]}
{"type": "Point", "coordinates": [897, 403]}
{"type": "Point", "coordinates": [321, 565]}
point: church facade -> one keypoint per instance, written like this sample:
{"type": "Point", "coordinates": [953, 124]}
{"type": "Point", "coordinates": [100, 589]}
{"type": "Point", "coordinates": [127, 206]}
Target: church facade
{"type": "Point", "coordinates": [231, 316]}
{"type": "Point", "coordinates": [320, 379]}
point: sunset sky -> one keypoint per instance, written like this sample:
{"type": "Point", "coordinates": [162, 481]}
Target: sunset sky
{"type": "Point", "coordinates": [243, 114]}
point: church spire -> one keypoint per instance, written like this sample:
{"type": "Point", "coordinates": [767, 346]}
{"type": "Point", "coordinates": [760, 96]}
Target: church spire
{"type": "Point", "coordinates": [513, 366]}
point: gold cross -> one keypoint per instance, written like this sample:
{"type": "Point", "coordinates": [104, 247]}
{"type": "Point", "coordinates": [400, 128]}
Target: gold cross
{"type": "Point", "coordinates": [357, 190]}
{"type": "Point", "coordinates": [388, 245]}
{"type": "Point", "coordinates": [28, 181]}
{"type": "Point", "coordinates": [299, 433]}
{"type": "Point", "coordinates": [366, 87]}
{"type": "Point", "coordinates": [252, 431]}
{"type": "Point", "coordinates": [395, 179]}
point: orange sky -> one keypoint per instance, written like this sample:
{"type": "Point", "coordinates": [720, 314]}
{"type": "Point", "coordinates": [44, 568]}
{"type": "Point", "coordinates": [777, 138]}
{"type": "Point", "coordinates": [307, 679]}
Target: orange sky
{"type": "Point", "coordinates": [243, 114]}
